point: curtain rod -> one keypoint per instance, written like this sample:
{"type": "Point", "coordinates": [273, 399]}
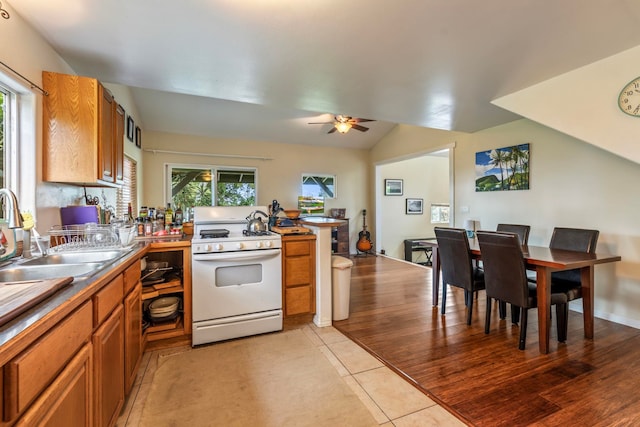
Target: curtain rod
{"type": "Point", "coordinates": [189, 153]}
{"type": "Point", "coordinates": [33, 85]}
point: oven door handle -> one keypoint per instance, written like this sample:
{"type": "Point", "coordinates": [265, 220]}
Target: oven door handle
{"type": "Point", "coordinates": [237, 256]}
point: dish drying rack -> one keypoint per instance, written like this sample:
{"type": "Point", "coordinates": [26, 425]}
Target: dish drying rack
{"type": "Point", "coordinates": [84, 237]}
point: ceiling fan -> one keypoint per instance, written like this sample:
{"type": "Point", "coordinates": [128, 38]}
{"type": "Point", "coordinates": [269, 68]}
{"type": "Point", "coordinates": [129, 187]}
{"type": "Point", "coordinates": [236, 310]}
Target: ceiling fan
{"type": "Point", "coordinates": [342, 124]}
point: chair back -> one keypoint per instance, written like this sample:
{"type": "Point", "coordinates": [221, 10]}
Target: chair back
{"type": "Point", "coordinates": [505, 274]}
{"type": "Point", "coordinates": [574, 239]}
{"type": "Point", "coordinates": [521, 230]}
{"type": "Point", "coordinates": [455, 257]}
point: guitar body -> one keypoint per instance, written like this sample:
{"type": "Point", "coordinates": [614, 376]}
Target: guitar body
{"type": "Point", "coordinates": [364, 237]}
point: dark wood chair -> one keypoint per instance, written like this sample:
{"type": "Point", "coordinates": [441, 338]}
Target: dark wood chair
{"type": "Point", "coordinates": [506, 278]}
{"type": "Point", "coordinates": [522, 231]}
{"type": "Point", "coordinates": [569, 282]}
{"type": "Point", "coordinates": [457, 266]}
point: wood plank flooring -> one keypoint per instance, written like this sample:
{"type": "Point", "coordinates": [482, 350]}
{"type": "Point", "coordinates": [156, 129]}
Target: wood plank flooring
{"type": "Point", "coordinates": [484, 379]}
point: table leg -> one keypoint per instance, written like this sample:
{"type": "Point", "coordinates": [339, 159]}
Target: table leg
{"type": "Point", "coordinates": [543, 279]}
{"type": "Point", "coordinates": [586, 277]}
{"type": "Point", "coordinates": [435, 275]}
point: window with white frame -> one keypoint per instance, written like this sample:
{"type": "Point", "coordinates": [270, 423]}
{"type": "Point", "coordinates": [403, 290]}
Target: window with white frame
{"type": "Point", "coordinates": [198, 185]}
{"type": "Point", "coordinates": [318, 185]}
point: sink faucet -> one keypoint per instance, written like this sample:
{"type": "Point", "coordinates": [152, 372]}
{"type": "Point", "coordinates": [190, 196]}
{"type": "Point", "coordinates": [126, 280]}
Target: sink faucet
{"type": "Point", "coordinates": [14, 219]}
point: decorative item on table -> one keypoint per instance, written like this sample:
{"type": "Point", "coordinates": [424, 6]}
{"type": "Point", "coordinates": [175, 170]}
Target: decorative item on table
{"type": "Point", "coordinates": [292, 213]}
{"type": "Point", "coordinates": [338, 213]}
{"type": "Point", "coordinates": [471, 225]}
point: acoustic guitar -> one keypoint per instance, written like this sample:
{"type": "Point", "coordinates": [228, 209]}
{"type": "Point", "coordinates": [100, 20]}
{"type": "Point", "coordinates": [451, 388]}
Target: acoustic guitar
{"type": "Point", "coordinates": [364, 237]}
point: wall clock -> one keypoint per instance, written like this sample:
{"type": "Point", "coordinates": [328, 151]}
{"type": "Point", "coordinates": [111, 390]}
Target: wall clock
{"type": "Point", "coordinates": [629, 98]}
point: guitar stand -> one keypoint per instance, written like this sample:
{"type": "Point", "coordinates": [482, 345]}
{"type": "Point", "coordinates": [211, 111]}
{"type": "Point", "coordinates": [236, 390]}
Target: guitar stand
{"type": "Point", "coordinates": [360, 253]}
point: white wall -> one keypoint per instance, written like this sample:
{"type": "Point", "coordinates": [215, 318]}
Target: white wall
{"type": "Point", "coordinates": [425, 177]}
{"type": "Point", "coordinates": [279, 178]}
{"type": "Point", "coordinates": [573, 184]}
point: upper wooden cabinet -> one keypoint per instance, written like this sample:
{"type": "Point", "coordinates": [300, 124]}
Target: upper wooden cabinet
{"type": "Point", "coordinates": [83, 133]}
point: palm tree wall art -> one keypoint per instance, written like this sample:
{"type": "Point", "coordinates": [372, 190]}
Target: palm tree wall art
{"type": "Point", "coordinates": [503, 169]}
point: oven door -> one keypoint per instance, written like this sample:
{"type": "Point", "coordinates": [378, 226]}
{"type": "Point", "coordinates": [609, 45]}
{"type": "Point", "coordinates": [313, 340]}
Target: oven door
{"type": "Point", "coordinates": [236, 283]}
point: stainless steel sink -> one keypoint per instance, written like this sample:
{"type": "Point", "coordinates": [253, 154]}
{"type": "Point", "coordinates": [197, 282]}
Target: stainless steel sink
{"type": "Point", "coordinates": [50, 271]}
{"type": "Point", "coordinates": [77, 257]}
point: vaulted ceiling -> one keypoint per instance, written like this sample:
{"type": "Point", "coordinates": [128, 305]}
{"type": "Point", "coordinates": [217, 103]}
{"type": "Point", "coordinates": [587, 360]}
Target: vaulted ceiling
{"type": "Point", "coordinates": [263, 69]}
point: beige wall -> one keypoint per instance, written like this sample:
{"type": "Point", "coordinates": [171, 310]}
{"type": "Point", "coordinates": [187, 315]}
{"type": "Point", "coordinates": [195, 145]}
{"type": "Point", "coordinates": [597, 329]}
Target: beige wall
{"type": "Point", "coordinates": [278, 178]}
{"type": "Point", "coordinates": [425, 177]}
{"type": "Point", "coordinates": [573, 184]}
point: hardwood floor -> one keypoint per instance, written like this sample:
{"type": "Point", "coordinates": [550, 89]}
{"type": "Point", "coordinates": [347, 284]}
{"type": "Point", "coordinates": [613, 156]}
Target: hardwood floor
{"type": "Point", "coordinates": [484, 379]}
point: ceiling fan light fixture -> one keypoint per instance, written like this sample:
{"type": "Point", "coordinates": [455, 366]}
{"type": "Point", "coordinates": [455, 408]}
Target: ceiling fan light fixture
{"type": "Point", "coordinates": [343, 127]}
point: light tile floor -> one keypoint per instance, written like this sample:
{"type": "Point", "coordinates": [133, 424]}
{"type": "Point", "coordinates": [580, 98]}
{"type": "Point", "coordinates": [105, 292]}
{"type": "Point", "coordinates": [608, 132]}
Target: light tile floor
{"type": "Point", "coordinates": [391, 400]}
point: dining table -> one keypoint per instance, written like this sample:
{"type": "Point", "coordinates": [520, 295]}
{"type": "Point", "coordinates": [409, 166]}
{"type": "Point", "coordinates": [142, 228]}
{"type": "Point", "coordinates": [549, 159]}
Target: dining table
{"type": "Point", "coordinates": [544, 260]}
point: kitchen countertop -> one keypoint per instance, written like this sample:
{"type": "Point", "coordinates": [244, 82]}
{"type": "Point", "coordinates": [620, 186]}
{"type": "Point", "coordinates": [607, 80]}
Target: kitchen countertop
{"type": "Point", "coordinates": [72, 296]}
{"type": "Point", "coordinates": [320, 221]}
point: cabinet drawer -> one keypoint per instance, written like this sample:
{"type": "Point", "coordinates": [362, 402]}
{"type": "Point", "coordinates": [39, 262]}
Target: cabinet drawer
{"type": "Point", "coordinates": [298, 271]}
{"type": "Point", "coordinates": [297, 248]}
{"type": "Point", "coordinates": [131, 277]}
{"type": "Point", "coordinates": [299, 300]}
{"type": "Point", "coordinates": [107, 299]}
{"type": "Point", "coordinates": [32, 370]}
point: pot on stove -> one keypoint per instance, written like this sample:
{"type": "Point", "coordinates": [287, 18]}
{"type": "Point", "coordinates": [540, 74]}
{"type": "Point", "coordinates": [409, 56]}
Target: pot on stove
{"type": "Point", "coordinates": [256, 225]}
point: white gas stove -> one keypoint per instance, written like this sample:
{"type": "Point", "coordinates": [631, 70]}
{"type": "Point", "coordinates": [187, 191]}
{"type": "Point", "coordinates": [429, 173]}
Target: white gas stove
{"type": "Point", "coordinates": [236, 276]}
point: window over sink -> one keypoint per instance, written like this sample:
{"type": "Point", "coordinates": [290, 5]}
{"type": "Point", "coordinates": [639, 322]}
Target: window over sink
{"type": "Point", "coordinates": [198, 185]}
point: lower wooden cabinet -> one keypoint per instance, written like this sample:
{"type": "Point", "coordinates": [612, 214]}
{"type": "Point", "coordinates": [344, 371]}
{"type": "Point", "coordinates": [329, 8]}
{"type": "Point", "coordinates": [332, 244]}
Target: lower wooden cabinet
{"type": "Point", "coordinates": [132, 335]}
{"type": "Point", "coordinates": [108, 369]}
{"type": "Point", "coordinates": [67, 401]}
{"type": "Point", "coordinates": [299, 274]}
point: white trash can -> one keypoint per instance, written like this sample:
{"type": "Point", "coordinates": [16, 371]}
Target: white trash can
{"type": "Point", "coordinates": [341, 286]}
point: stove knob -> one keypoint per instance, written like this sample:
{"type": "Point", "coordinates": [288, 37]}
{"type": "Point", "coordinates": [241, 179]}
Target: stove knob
{"type": "Point", "coordinates": [239, 245]}
{"type": "Point", "coordinates": [268, 243]}
{"type": "Point", "coordinates": [218, 246]}
{"type": "Point", "coordinates": [258, 245]}
{"type": "Point", "coordinates": [207, 248]}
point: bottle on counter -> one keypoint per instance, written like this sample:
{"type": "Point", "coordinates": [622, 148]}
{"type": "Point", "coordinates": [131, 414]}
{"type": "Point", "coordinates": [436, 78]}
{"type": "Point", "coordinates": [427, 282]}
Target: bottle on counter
{"type": "Point", "coordinates": [144, 212]}
{"type": "Point", "coordinates": [140, 226]}
{"type": "Point", "coordinates": [168, 214]}
{"type": "Point", "coordinates": [129, 214]}
{"type": "Point", "coordinates": [148, 227]}
{"type": "Point", "coordinates": [177, 216]}
{"type": "Point", "coordinates": [160, 217]}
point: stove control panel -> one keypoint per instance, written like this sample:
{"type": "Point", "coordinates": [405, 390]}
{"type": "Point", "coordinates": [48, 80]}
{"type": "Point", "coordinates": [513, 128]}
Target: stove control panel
{"type": "Point", "coordinates": [235, 246]}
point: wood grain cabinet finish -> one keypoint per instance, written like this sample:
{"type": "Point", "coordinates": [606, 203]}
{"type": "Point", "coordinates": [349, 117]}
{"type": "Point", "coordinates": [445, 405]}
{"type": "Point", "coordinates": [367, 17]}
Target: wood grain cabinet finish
{"type": "Point", "coordinates": [83, 133]}
{"type": "Point", "coordinates": [299, 274]}
{"type": "Point", "coordinates": [132, 335]}
{"type": "Point", "coordinates": [108, 369]}
{"type": "Point", "coordinates": [66, 402]}
{"type": "Point", "coordinates": [29, 373]}
{"type": "Point", "coordinates": [340, 239]}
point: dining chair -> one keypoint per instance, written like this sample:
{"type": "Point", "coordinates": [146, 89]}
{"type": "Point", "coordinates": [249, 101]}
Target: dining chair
{"type": "Point", "coordinates": [506, 278]}
{"type": "Point", "coordinates": [522, 231]}
{"type": "Point", "coordinates": [457, 266]}
{"type": "Point", "coordinates": [569, 282]}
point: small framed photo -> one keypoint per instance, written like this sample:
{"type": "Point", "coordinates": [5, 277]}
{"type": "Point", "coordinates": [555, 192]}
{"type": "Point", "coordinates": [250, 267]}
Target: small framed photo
{"type": "Point", "coordinates": [414, 206]}
{"type": "Point", "coordinates": [393, 187]}
{"type": "Point", "coordinates": [130, 128]}
{"type": "Point", "coordinates": [138, 137]}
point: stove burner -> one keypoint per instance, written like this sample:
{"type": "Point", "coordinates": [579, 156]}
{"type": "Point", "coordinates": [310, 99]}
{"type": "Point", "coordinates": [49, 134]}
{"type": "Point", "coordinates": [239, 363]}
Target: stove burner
{"type": "Point", "coordinates": [214, 233]}
{"type": "Point", "coordinates": [255, 233]}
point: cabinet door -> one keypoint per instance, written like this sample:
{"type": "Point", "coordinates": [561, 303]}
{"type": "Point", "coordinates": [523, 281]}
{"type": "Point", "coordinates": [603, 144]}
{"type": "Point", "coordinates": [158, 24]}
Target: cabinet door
{"type": "Point", "coordinates": [106, 135]}
{"type": "Point", "coordinates": [108, 368]}
{"type": "Point", "coordinates": [118, 145]}
{"type": "Point", "coordinates": [67, 401]}
{"type": "Point", "coordinates": [132, 335]}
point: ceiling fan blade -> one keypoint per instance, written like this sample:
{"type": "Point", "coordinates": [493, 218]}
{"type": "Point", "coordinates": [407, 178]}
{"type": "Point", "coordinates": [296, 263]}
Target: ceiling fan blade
{"type": "Point", "coordinates": [360, 128]}
{"type": "Point", "coordinates": [359, 120]}
{"type": "Point", "coordinates": [320, 123]}
{"type": "Point", "coordinates": [333, 129]}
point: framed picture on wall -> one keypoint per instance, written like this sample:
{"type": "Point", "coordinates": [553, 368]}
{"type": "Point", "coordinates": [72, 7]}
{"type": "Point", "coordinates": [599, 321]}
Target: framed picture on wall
{"type": "Point", "coordinates": [130, 128]}
{"type": "Point", "coordinates": [393, 187]}
{"type": "Point", "coordinates": [414, 206]}
{"type": "Point", "coordinates": [138, 137]}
